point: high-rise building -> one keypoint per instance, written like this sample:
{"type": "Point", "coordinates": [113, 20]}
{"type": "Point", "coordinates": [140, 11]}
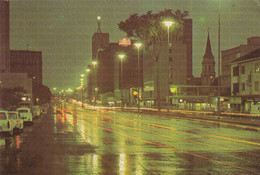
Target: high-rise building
{"type": "Point", "coordinates": [187, 39]}
{"type": "Point", "coordinates": [173, 70]}
{"type": "Point", "coordinates": [26, 61]}
{"type": "Point", "coordinates": [4, 36]}
{"type": "Point", "coordinates": [7, 78]}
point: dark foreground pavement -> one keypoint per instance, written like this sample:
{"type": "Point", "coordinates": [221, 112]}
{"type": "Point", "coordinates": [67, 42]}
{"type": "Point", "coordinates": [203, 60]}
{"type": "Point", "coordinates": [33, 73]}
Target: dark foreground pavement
{"type": "Point", "coordinates": [43, 148]}
{"type": "Point", "coordinates": [128, 143]}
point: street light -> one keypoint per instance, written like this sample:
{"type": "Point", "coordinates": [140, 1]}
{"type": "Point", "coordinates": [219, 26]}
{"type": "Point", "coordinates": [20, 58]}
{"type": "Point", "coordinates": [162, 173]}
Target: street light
{"type": "Point", "coordinates": [95, 76]}
{"type": "Point", "coordinates": [219, 80]}
{"type": "Point", "coordinates": [82, 85]}
{"type": "Point", "coordinates": [138, 45]}
{"type": "Point", "coordinates": [168, 24]}
{"type": "Point", "coordinates": [121, 56]}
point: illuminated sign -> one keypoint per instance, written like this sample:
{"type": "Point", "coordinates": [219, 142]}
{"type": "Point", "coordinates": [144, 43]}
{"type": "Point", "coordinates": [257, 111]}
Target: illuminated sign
{"type": "Point", "coordinates": [124, 42]}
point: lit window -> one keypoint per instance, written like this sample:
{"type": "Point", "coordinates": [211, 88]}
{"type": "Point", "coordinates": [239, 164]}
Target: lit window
{"type": "Point", "coordinates": [257, 67]}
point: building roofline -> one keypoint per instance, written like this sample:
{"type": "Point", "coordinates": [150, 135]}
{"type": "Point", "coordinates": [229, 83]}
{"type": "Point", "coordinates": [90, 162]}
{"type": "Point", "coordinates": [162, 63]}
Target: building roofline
{"type": "Point", "coordinates": [25, 51]}
{"type": "Point", "coordinates": [250, 56]}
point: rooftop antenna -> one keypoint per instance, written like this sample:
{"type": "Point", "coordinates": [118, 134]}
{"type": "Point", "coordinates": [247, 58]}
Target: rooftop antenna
{"type": "Point", "coordinates": [99, 23]}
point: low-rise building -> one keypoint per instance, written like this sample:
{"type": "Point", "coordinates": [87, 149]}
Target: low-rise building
{"type": "Point", "coordinates": [229, 55]}
{"type": "Point", "coordinates": [245, 83]}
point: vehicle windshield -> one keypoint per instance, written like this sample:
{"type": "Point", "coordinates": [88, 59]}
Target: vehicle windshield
{"type": "Point", "coordinates": [2, 116]}
{"type": "Point", "coordinates": [12, 116]}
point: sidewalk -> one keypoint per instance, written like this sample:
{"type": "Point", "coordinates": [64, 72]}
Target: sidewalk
{"type": "Point", "coordinates": [234, 118]}
{"type": "Point", "coordinates": [252, 120]}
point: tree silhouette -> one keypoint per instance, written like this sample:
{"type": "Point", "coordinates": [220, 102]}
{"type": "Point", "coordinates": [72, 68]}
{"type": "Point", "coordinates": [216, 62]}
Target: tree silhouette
{"type": "Point", "coordinates": [149, 29]}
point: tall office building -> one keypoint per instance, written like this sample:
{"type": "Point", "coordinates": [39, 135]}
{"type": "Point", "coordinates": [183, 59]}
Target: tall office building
{"type": "Point", "coordinates": [175, 70]}
{"type": "Point", "coordinates": [4, 36]}
{"type": "Point", "coordinates": [7, 78]}
{"type": "Point", "coordinates": [187, 39]}
{"type": "Point", "coordinates": [26, 61]}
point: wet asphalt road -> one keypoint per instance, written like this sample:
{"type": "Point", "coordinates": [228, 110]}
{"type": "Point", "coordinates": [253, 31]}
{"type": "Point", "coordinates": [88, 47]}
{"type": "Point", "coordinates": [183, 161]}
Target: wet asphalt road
{"type": "Point", "coordinates": [73, 140]}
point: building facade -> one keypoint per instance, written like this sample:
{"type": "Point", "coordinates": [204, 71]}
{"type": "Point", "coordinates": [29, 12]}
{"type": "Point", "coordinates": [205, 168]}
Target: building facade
{"type": "Point", "coordinates": [174, 69]}
{"type": "Point", "coordinates": [4, 36]}
{"type": "Point", "coordinates": [25, 61]}
{"type": "Point", "coordinates": [9, 79]}
{"type": "Point", "coordinates": [229, 55]}
{"type": "Point", "coordinates": [245, 82]}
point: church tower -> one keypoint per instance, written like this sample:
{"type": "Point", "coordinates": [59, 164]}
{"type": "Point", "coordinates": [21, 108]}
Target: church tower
{"type": "Point", "coordinates": [208, 65]}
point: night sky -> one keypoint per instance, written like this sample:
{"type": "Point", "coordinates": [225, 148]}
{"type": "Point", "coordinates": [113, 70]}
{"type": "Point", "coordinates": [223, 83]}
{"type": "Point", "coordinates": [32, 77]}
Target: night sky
{"type": "Point", "coordinates": [63, 29]}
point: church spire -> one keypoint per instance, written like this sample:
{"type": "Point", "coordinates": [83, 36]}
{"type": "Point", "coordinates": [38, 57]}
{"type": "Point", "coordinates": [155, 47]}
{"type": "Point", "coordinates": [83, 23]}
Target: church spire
{"type": "Point", "coordinates": [208, 52]}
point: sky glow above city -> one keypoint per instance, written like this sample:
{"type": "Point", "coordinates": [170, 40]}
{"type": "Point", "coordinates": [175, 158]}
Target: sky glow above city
{"type": "Point", "coordinates": [63, 29]}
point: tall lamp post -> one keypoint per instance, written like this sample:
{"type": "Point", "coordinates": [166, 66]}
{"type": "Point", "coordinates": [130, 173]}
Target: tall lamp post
{"type": "Point", "coordinates": [168, 24]}
{"type": "Point", "coordinates": [138, 45]}
{"type": "Point", "coordinates": [87, 84]}
{"type": "Point", "coordinates": [219, 80]}
{"type": "Point", "coordinates": [81, 86]}
{"type": "Point", "coordinates": [121, 56]}
{"type": "Point", "coordinates": [94, 80]}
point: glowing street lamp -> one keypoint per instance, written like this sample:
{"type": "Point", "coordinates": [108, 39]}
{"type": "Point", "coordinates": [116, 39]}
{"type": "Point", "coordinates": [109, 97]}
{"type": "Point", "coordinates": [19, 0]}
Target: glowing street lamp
{"type": "Point", "coordinates": [168, 24]}
{"type": "Point", "coordinates": [82, 85]}
{"type": "Point", "coordinates": [138, 45]}
{"type": "Point", "coordinates": [94, 80]}
{"type": "Point", "coordinates": [121, 56]}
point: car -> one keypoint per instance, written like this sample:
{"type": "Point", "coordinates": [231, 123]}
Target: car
{"type": "Point", "coordinates": [26, 114]}
{"type": "Point", "coordinates": [6, 125]}
{"type": "Point", "coordinates": [16, 118]}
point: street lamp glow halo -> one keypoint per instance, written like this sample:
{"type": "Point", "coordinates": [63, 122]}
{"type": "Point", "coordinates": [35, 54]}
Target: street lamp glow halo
{"type": "Point", "coordinates": [121, 56]}
{"type": "Point", "coordinates": [168, 23]}
{"type": "Point", "coordinates": [138, 45]}
{"type": "Point", "coordinates": [94, 62]}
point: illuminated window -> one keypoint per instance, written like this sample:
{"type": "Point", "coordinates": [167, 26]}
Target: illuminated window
{"type": "Point", "coordinates": [257, 67]}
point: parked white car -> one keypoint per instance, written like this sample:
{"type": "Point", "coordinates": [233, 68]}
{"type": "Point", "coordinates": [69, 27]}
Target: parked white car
{"type": "Point", "coordinates": [6, 125]}
{"type": "Point", "coordinates": [25, 113]}
{"type": "Point", "coordinates": [16, 118]}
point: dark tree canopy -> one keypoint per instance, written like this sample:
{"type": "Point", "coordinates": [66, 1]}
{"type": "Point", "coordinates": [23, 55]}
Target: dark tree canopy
{"type": "Point", "coordinates": [43, 93]}
{"type": "Point", "coordinates": [149, 28]}
{"type": "Point", "coordinates": [9, 98]}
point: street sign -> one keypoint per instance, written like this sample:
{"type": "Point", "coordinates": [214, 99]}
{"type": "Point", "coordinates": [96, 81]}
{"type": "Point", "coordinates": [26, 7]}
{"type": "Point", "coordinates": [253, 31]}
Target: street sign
{"type": "Point", "coordinates": [124, 42]}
